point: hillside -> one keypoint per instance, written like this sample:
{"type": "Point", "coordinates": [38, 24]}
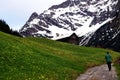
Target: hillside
{"type": "Point", "coordinates": [43, 59]}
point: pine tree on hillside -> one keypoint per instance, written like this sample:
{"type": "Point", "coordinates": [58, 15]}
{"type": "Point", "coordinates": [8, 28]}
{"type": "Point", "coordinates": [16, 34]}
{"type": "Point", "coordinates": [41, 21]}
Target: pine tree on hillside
{"type": "Point", "coordinates": [4, 27]}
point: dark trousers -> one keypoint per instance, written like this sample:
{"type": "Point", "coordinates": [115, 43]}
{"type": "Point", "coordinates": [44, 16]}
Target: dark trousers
{"type": "Point", "coordinates": [109, 66]}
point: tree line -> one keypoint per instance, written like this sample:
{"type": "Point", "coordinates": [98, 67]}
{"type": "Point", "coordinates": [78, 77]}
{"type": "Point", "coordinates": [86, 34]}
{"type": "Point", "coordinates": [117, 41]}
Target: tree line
{"type": "Point", "coordinates": [4, 27]}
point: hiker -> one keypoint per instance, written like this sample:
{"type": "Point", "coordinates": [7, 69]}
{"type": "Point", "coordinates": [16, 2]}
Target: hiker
{"type": "Point", "coordinates": [108, 60]}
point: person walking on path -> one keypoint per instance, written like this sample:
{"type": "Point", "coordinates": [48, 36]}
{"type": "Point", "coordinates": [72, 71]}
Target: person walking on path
{"type": "Point", "coordinates": [108, 60]}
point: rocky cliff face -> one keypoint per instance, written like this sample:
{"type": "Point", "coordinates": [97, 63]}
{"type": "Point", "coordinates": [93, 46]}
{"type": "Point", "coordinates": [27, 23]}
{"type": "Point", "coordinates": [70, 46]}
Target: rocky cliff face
{"type": "Point", "coordinates": [94, 21]}
{"type": "Point", "coordinates": [108, 36]}
{"type": "Point", "coordinates": [78, 16]}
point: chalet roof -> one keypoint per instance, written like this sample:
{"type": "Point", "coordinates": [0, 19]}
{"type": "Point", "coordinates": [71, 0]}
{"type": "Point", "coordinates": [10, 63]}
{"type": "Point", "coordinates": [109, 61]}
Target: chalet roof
{"type": "Point", "coordinates": [63, 36]}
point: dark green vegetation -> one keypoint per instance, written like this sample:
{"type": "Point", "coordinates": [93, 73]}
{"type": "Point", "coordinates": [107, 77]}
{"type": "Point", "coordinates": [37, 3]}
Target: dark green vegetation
{"type": "Point", "coordinates": [118, 70]}
{"type": "Point", "coordinates": [117, 64]}
{"type": "Point", "coordinates": [42, 59]}
{"type": "Point", "coordinates": [4, 27]}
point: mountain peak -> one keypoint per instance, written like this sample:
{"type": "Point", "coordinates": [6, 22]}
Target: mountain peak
{"type": "Point", "coordinates": [83, 17]}
{"type": "Point", "coordinates": [34, 15]}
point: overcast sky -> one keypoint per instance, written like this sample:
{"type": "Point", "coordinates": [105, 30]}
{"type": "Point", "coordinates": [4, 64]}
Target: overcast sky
{"type": "Point", "coordinates": [17, 12]}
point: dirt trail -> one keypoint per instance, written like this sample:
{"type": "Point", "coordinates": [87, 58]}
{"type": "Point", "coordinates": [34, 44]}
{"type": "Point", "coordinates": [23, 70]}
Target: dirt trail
{"type": "Point", "coordinates": [99, 73]}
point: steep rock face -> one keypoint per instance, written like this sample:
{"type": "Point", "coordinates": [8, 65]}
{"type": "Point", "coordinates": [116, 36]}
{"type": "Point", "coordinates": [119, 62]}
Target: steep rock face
{"type": "Point", "coordinates": [108, 36]}
{"type": "Point", "coordinates": [82, 17]}
{"type": "Point", "coordinates": [26, 30]}
{"type": "Point", "coordinates": [96, 22]}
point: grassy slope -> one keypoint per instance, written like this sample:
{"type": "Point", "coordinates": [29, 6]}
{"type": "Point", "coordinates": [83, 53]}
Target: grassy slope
{"type": "Point", "coordinates": [42, 59]}
{"type": "Point", "coordinates": [118, 70]}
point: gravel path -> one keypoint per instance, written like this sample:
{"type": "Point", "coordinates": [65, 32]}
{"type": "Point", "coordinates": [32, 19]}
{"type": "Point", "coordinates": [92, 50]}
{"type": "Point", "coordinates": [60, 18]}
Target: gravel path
{"type": "Point", "coordinates": [99, 73]}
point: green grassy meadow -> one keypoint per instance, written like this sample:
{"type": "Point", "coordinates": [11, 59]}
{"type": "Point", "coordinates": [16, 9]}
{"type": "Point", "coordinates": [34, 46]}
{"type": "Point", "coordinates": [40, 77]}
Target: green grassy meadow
{"type": "Point", "coordinates": [43, 59]}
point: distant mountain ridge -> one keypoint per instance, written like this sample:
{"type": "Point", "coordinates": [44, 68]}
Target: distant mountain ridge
{"type": "Point", "coordinates": [83, 17]}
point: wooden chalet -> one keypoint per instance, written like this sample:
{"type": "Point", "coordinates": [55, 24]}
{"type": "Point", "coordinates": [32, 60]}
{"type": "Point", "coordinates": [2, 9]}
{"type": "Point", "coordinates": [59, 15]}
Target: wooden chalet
{"type": "Point", "coordinates": [71, 38]}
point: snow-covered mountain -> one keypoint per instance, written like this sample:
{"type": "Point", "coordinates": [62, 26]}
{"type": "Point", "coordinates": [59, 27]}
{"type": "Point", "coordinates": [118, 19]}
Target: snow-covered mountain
{"type": "Point", "coordinates": [83, 17]}
{"type": "Point", "coordinates": [108, 36]}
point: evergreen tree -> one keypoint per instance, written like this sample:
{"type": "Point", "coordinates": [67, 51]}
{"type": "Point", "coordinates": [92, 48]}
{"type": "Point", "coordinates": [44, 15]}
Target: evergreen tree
{"type": "Point", "coordinates": [4, 27]}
